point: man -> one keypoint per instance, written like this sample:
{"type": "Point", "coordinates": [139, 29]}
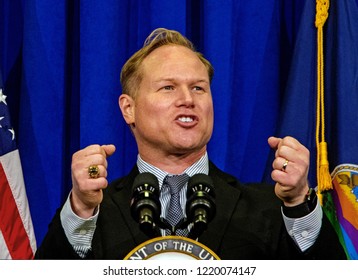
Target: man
{"type": "Point", "coordinates": [167, 104]}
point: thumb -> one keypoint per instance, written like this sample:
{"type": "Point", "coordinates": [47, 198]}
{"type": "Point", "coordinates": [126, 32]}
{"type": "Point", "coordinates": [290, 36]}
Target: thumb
{"type": "Point", "coordinates": [274, 142]}
{"type": "Point", "coordinates": [109, 149]}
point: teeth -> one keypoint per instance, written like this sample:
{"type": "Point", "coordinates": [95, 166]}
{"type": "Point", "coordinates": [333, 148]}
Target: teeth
{"type": "Point", "coordinates": [185, 119]}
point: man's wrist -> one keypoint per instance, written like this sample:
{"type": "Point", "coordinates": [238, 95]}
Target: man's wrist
{"type": "Point", "coordinates": [302, 209]}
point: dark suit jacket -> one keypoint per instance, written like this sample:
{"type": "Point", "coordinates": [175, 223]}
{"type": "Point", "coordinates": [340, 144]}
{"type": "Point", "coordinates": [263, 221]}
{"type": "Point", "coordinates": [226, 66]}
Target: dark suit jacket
{"type": "Point", "coordinates": [248, 225]}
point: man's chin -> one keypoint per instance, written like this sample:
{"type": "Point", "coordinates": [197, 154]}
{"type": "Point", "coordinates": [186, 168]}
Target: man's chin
{"type": "Point", "coordinates": [190, 149]}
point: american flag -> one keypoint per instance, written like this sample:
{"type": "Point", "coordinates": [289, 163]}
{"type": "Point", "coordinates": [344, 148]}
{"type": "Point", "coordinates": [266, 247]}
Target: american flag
{"type": "Point", "coordinates": [17, 238]}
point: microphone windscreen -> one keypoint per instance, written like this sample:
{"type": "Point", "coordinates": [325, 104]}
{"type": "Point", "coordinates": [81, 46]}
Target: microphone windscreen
{"type": "Point", "coordinates": [200, 182]}
{"type": "Point", "coordinates": [146, 178]}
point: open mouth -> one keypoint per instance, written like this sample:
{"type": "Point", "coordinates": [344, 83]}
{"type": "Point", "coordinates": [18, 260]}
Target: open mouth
{"type": "Point", "coordinates": [186, 119]}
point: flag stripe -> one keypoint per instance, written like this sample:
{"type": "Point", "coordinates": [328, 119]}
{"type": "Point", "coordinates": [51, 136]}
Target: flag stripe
{"type": "Point", "coordinates": [17, 237]}
{"type": "Point", "coordinates": [346, 226]}
{"type": "Point", "coordinates": [12, 167]}
{"type": "Point", "coordinates": [11, 225]}
{"type": "Point", "coordinates": [4, 251]}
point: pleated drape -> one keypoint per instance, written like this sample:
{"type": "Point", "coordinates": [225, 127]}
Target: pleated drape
{"type": "Point", "coordinates": [61, 62]}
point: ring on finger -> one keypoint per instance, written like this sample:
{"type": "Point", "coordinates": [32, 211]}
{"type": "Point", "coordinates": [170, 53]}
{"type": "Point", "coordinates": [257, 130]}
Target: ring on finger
{"type": "Point", "coordinates": [93, 171]}
{"type": "Point", "coordinates": [284, 166]}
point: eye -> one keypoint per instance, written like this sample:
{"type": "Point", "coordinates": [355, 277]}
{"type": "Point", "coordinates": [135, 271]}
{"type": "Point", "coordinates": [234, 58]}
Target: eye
{"type": "Point", "coordinates": [168, 87]}
{"type": "Point", "coordinates": [197, 88]}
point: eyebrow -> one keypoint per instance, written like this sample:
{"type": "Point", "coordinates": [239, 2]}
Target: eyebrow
{"type": "Point", "coordinates": [174, 79]}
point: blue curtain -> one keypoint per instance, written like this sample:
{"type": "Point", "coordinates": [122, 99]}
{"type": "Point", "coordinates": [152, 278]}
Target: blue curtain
{"type": "Point", "coordinates": [61, 62]}
{"type": "Point", "coordinates": [341, 103]}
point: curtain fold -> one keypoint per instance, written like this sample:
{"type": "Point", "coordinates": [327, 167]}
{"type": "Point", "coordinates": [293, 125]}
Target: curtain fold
{"type": "Point", "coordinates": [61, 63]}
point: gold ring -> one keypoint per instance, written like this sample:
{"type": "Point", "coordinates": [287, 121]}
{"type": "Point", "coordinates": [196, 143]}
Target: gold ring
{"type": "Point", "coordinates": [284, 166]}
{"type": "Point", "coordinates": [93, 171]}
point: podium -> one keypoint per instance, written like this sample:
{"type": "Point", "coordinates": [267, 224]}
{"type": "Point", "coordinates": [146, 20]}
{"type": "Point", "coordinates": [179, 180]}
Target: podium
{"type": "Point", "coordinates": [171, 248]}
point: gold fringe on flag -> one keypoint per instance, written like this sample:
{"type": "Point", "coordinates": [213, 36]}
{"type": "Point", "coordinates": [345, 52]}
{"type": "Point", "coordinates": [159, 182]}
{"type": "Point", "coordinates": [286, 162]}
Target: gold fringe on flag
{"type": "Point", "coordinates": [324, 180]}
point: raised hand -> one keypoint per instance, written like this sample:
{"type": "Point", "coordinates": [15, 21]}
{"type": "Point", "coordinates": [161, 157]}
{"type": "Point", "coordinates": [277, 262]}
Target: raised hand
{"type": "Point", "coordinates": [89, 178]}
{"type": "Point", "coordinates": [290, 170]}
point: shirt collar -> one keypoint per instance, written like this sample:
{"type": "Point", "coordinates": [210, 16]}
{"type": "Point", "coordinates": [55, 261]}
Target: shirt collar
{"type": "Point", "coordinates": [201, 166]}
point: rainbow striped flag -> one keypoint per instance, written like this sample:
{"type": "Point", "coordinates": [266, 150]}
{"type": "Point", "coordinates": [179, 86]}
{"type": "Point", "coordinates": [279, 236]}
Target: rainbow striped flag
{"type": "Point", "coordinates": [341, 206]}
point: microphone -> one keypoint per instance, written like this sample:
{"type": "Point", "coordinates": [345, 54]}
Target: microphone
{"type": "Point", "coordinates": [145, 205]}
{"type": "Point", "coordinates": [200, 207]}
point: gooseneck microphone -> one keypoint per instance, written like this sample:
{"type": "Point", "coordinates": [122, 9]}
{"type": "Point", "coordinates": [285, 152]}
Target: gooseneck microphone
{"type": "Point", "coordinates": [200, 206]}
{"type": "Point", "coordinates": [145, 205]}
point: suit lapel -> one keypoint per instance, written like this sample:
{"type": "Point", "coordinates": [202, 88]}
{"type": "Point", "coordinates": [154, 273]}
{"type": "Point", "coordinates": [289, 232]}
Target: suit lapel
{"type": "Point", "coordinates": [122, 199]}
{"type": "Point", "coordinates": [226, 200]}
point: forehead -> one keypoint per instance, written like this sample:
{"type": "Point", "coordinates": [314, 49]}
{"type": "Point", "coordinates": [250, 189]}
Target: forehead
{"type": "Point", "coordinates": [173, 57]}
{"type": "Point", "coordinates": [170, 50]}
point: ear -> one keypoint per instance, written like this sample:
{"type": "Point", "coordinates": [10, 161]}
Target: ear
{"type": "Point", "coordinates": [126, 104]}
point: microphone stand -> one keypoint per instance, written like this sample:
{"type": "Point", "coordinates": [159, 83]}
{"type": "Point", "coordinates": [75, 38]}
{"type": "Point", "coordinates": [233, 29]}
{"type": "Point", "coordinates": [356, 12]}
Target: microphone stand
{"type": "Point", "coordinates": [164, 224]}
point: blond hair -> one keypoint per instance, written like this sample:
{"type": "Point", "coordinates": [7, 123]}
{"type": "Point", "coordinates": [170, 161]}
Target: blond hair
{"type": "Point", "coordinates": [131, 75]}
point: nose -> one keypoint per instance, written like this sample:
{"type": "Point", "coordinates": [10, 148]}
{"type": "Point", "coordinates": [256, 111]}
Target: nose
{"type": "Point", "coordinates": [185, 97]}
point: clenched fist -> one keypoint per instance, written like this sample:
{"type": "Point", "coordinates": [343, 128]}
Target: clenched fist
{"type": "Point", "coordinates": [290, 170]}
{"type": "Point", "coordinates": [86, 191]}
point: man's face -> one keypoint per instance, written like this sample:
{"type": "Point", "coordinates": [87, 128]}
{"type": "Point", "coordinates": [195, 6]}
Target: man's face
{"type": "Point", "coordinates": [173, 110]}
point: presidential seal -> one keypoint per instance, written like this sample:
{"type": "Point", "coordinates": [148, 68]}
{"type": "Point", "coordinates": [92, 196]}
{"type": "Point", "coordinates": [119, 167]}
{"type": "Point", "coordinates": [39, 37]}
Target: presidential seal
{"type": "Point", "coordinates": [171, 248]}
